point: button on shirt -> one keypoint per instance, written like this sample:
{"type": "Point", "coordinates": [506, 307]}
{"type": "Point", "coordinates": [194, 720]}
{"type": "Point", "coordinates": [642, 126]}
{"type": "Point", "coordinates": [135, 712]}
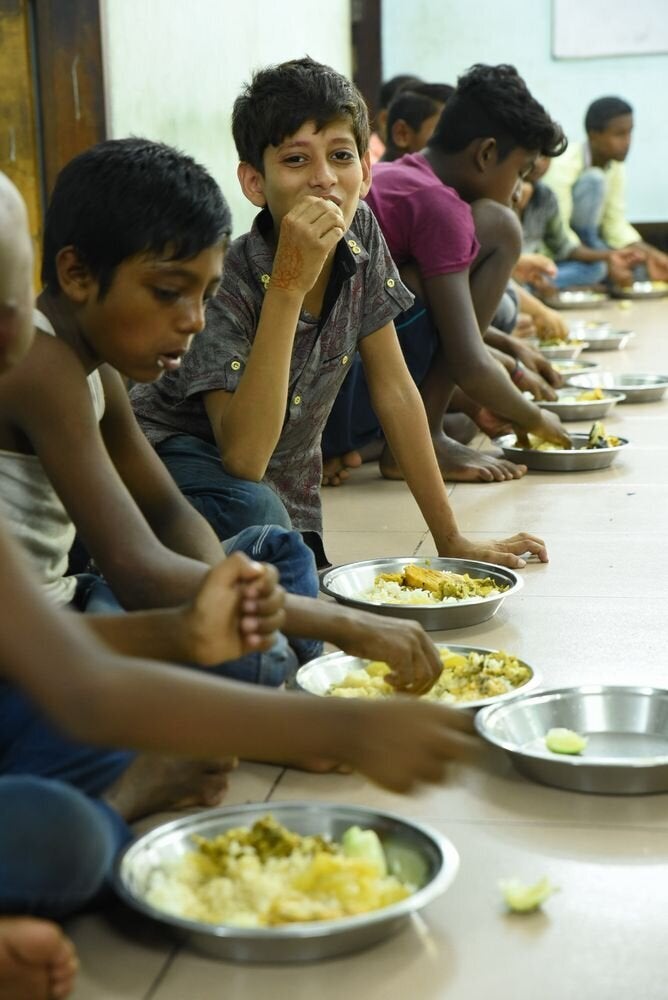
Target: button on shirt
{"type": "Point", "coordinates": [364, 294]}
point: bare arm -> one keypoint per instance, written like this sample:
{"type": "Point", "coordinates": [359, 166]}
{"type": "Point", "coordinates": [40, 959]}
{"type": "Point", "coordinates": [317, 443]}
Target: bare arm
{"type": "Point", "coordinates": [248, 422]}
{"type": "Point", "coordinates": [470, 364]}
{"type": "Point", "coordinates": [399, 407]}
{"type": "Point", "coordinates": [237, 610]}
{"type": "Point", "coordinates": [48, 399]}
{"type": "Point", "coordinates": [173, 520]}
{"type": "Point", "coordinates": [107, 699]}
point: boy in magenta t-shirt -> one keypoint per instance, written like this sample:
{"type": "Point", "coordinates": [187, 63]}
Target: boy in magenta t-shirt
{"type": "Point", "coordinates": [446, 217]}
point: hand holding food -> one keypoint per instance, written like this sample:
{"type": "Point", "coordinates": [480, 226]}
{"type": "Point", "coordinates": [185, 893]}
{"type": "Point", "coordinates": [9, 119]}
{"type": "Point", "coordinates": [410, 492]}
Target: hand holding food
{"type": "Point", "coordinates": [550, 324]}
{"type": "Point", "coordinates": [533, 383]}
{"type": "Point", "coordinates": [411, 656]}
{"type": "Point", "coordinates": [549, 428]}
{"type": "Point", "coordinates": [597, 438]}
{"type": "Point", "coordinates": [465, 677]}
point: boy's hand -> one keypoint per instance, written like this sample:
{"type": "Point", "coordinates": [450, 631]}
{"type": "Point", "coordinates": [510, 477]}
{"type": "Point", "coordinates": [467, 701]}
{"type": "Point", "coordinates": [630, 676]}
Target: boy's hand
{"type": "Point", "coordinates": [400, 742]}
{"type": "Point", "coordinates": [534, 383]}
{"type": "Point", "coordinates": [403, 645]}
{"type": "Point", "coordinates": [549, 428]}
{"type": "Point", "coordinates": [237, 610]}
{"type": "Point", "coordinates": [657, 266]}
{"type": "Point", "coordinates": [262, 607]}
{"type": "Point", "coordinates": [534, 269]}
{"type": "Point", "coordinates": [536, 362]}
{"type": "Point", "coordinates": [506, 552]}
{"type": "Point", "coordinates": [309, 232]}
{"type": "Point", "coordinates": [550, 325]}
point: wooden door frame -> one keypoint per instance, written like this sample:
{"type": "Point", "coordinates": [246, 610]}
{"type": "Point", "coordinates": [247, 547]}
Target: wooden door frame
{"type": "Point", "coordinates": [69, 81]}
{"type": "Point", "coordinates": [365, 17]}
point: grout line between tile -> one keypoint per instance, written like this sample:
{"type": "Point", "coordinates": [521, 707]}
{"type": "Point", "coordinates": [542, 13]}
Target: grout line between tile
{"type": "Point", "coordinates": [169, 961]}
{"type": "Point", "coordinates": [275, 784]}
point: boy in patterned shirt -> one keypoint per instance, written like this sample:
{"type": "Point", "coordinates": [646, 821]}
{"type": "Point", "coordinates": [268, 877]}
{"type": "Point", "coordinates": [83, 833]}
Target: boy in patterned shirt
{"type": "Point", "coordinates": [311, 284]}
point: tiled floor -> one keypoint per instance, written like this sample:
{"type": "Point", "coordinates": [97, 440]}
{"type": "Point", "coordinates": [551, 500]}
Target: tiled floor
{"type": "Point", "coordinates": [597, 612]}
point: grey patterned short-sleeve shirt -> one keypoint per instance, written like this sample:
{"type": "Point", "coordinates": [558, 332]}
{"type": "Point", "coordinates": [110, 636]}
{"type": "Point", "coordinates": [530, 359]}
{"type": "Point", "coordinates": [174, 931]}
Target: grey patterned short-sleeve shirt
{"type": "Point", "coordinates": [370, 296]}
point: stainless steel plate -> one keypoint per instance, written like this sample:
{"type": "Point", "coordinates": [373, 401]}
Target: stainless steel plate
{"type": "Point", "coordinates": [578, 459]}
{"type": "Point", "coordinates": [581, 328]}
{"type": "Point", "coordinates": [345, 583]}
{"type": "Point", "coordinates": [642, 290]}
{"type": "Point", "coordinates": [582, 299]}
{"type": "Point", "coordinates": [562, 352]}
{"type": "Point", "coordinates": [568, 368]}
{"type": "Point", "coordinates": [431, 859]}
{"type": "Point", "coordinates": [608, 340]}
{"type": "Point", "coordinates": [584, 409]}
{"type": "Point", "coordinates": [636, 388]}
{"type": "Point", "coordinates": [317, 676]}
{"type": "Point", "coordinates": [626, 727]}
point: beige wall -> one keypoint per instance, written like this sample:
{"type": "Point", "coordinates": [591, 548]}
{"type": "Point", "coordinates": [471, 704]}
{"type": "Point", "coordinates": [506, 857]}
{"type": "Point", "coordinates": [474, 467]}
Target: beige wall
{"type": "Point", "coordinates": [174, 67]}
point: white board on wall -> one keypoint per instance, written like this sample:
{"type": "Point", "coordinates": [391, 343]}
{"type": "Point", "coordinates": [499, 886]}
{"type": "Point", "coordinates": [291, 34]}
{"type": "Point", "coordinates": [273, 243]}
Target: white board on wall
{"type": "Point", "coordinates": [587, 29]}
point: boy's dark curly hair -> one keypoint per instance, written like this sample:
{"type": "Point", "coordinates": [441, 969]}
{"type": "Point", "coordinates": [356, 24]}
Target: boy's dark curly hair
{"type": "Point", "coordinates": [495, 102]}
{"type": "Point", "coordinates": [280, 99]}
{"type": "Point", "coordinates": [125, 197]}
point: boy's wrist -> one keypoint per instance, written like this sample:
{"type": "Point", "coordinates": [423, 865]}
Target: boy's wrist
{"type": "Point", "coordinates": [450, 544]}
{"type": "Point", "coordinates": [284, 293]}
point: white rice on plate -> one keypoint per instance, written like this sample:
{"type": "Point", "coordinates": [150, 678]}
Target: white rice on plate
{"type": "Point", "coordinates": [389, 592]}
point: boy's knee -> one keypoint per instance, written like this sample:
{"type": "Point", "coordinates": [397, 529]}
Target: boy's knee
{"type": "Point", "coordinates": [496, 226]}
{"type": "Point", "coordinates": [264, 506]}
{"type": "Point", "coordinates": [593, 178]}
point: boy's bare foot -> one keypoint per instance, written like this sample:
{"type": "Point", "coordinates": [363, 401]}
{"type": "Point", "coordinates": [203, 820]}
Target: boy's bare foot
{"type": "Point", "coordinates": [460, 464]}
{"type": "Point", "coordinates": [336, 470]}
{"type": "Point", "coordinates": [153, 783]}
{"type": "Point", "coordinates": [491, 424]}
{"type": "Point", "coordinates": [459, 427]}
{"type": "Point", "coordinates": [37, 961]}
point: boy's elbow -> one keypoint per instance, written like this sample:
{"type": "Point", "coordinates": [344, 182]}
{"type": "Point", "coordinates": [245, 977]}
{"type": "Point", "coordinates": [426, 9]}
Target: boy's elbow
{"type": "Point", "coordinates": [243, 466]}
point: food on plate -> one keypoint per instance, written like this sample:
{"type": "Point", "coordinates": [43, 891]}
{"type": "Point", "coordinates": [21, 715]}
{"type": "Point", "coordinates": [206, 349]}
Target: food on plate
{"type": "Point", "coordinates": [422, 585]}
{"type": "Point", "coordinates": [465, 677]}
{"type": "Point", "coordinates": [598, 438]}
{"type": "Point", "coordinates": [522, 898]}
{"type": "Point", "coordinates": [556, 342]}
{"type": "Point", "coordinates": [586, 396]}
{"type": "Point", "coordinates": [267, 875]}
{"type": "Point", "coordinates": [560, 740]}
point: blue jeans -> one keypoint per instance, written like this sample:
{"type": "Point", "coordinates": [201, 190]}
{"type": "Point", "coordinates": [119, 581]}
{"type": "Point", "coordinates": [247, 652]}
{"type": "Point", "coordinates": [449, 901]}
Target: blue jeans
{"type": "Point", "coordinates": [580, 272]}
{"type": "Point", "coordinates": [588, 199]}
{"type": "Point", "coordinates": [56, 846]}
{"type": "Point", "coordinates": [31, 746]}
{"type": "Point", "coordinates": [505, 316]}
{"type": "Point", "coordinates": [352, 422]}
{"type": "Point", "coordinates": [228, 504]}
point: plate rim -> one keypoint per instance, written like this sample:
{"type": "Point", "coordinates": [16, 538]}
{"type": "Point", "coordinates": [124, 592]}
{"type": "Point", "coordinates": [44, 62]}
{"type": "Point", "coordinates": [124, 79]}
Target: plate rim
{"type": "Point", "coordinates": [572, 760]}
{"type": "Point", "coordinates": [474, 705]}
{"type": "Point", "coordinates": [450, 863]}
{"type": "Point", "coordinates": [417, 560]}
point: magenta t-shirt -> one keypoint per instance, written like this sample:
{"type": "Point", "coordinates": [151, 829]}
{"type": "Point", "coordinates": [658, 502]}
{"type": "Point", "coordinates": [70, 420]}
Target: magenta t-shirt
{"type": "Point", "coordinates": [422, 219]}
